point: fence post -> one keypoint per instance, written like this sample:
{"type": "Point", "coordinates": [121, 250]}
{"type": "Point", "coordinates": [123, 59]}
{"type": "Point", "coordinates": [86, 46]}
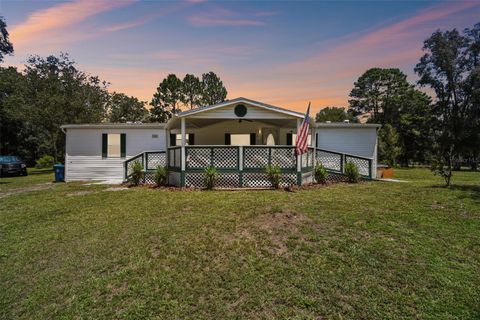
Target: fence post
{"type": "Point", "coordinates": [240, 165]}
{"type": "Point", "coordinates": [342, 163]}
{"type": "Point", "coordinates": [211, 157]}
{"type": "Point", "coordinates": [125, 172]}
{"type": "Point", "coordinates": [370, 173]}
{"type": "Point", "coordinates": [144, 167]}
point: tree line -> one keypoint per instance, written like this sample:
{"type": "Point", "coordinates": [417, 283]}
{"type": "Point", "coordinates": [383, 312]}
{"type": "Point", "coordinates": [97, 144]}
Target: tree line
{"type": "Point", "coordinates": [440, 127]}
{"type": "Point", "coordinates": [52, 91]}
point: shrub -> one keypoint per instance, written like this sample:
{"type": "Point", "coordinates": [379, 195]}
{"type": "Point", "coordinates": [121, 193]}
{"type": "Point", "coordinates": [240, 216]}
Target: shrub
{"type": "Point", "coordinates": [273, 174]}
{"type": "Point", "coordinates": [137, 173]}
{"type": "Point", "coordinates": [351, 171]}
{"type": "Point", "coordinates": [211, 176]}
{"type": "Point", "coordinates": [45, 161]}
{"type": "Point", "coordinates": [440, 168]}
{"type": "Point", "coordinates": [161, 176]}
{"type": "Point", "coordinates": [320, 173]}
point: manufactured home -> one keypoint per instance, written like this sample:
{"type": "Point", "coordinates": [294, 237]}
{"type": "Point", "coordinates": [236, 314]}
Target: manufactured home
{"type": "Point", "coordinates": [239, 137]}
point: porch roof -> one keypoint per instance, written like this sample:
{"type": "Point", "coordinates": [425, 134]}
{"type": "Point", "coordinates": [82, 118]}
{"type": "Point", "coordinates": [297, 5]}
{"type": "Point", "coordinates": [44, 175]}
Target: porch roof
{"type": "Point", "coordinates": [259, 111]}
{"type": "Point", "coordinates": [241, 100]}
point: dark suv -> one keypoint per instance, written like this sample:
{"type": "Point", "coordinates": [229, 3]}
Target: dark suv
{"type": "Point", "coordinates": [12, 165]}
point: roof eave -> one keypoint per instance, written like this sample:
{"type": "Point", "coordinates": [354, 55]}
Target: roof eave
{"type": "Point", "coordinates": [113, 126]}
{"type": "Point", "coordinates": [237, 100]}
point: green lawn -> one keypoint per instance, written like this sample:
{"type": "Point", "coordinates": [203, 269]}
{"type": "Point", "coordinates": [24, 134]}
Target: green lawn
{"type": "Point", "coordinates": [35, 177]}
{"type": "Point", "coordinates": [370, 251]}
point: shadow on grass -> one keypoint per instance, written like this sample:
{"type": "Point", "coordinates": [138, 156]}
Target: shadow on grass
{"type": "Point", "coordinates": [468, 190]}
{"type": "Point", "coordinates": [38, 172]}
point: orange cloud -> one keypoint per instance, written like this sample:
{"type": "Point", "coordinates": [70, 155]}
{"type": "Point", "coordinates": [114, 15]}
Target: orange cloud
{"type": "Point", "coordinates": [47, 23]}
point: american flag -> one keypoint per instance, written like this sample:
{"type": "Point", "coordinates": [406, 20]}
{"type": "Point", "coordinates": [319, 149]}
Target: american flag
{"type": "Point", "coordinates": [302, 134]}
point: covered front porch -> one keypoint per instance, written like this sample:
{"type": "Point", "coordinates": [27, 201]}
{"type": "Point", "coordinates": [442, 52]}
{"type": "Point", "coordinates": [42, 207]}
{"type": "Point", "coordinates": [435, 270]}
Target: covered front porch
{"type": "Point", "coordinates": [240, 139]}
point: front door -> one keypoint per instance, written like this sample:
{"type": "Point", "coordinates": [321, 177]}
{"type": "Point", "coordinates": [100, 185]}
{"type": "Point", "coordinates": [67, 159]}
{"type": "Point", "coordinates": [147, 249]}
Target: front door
{"type": "Point", "coordinates": [269, 136]}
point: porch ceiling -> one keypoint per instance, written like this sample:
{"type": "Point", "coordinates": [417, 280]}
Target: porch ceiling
{"type": "Point", "coordinates": [192, 123]}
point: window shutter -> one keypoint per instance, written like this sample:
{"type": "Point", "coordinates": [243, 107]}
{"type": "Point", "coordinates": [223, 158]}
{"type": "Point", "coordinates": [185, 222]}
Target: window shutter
{"type": "Point", "coordinates": [123, 145]}
{"type": "Point", "coordinates": [289, 139]}
{"type": "Point", "coordinates": [104, 145]}
{"type": "Point", "coordinates": [253, 139]}
{"type": "Point", "coordinates": [228, 140]}
{"type": "Point", "coordinates": [173, 139]}
{"type": "Point", "coordinates": [191, 139]}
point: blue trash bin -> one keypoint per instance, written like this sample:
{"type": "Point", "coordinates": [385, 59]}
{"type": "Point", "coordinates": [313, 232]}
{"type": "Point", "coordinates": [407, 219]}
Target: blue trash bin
{"type": "Point", "coordinates": [59, 172]}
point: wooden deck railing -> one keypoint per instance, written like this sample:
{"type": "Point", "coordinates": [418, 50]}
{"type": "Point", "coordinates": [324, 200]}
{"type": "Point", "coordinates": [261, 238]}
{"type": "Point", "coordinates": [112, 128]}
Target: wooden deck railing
{"type": "Point", "coordinates": [335, 162]}
{"type": "Point", "coordinates": [243, 166]}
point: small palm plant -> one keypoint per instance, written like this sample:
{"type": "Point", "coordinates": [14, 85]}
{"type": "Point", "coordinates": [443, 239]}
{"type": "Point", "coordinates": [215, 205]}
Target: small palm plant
{"type": "Point", "coordinates": [352, 173]}
{"type": "Point", "coordinates": [211, 176]}
{"type": "Point", "coordinates": [273, 174]}
{"type": "Point", "coordinates": [321, 173]}
{"type": "Point", "coordinates": [161, 176]}
{"type": "Point", "coordinates": [137, 174]}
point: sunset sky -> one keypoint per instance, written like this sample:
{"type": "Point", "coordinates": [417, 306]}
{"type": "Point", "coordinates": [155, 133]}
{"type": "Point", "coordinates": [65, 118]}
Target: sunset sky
{"type": "Point", "coordinates": [283, 53]}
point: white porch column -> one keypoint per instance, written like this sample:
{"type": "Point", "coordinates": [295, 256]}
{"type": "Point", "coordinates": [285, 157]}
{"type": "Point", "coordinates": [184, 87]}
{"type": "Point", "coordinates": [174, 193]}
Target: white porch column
{"type": "Point", "coordinates": [299, 157]}
{"type": "Point", "coordinates": [183, 143]}
{"type": "Point", "coordinates": [314, 145]}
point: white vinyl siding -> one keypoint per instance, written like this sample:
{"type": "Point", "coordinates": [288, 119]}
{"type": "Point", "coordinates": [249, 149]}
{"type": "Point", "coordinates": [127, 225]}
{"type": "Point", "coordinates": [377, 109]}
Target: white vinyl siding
{"type": "Point", "coordinates": [253, 112]}
{"type": "Point", "coordinates": [84, 160]}
{"type": "Point", "coordinates": [356, 141]}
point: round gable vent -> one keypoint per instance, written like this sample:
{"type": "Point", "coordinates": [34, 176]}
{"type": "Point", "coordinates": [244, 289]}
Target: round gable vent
{"type": "Point", "coordinates": [240, 110]}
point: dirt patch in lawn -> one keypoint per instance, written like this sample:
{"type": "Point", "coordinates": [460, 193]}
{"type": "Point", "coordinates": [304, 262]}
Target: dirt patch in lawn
{"type": "Point", "coordinates": [80, 193]}
{"type": "Point", "coordinates": [276, 228]}
{"type": "Point", "coordinates": [34, 187]}
{"type": "Point", "coordinates": [116, 189]}
{"type": "Point", "coordinates": [280, 227]}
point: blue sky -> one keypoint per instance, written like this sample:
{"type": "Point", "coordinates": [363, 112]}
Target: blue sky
{"type": "Point", "coordinates": [281, 52]}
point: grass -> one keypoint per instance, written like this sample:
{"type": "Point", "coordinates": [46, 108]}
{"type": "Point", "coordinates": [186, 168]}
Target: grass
{"type": "Point", "coordinates": [35, 176]}
{"type": "Point", "coordinates": [369, 251]}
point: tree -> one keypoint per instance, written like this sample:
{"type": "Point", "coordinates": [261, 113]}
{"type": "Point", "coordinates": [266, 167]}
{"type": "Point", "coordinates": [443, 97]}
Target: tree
{"type": "Point", "coordinates": [385, 96]}
{"type": "Point", "coordinates": [6, 46]}
{"type": "Point", "coordinates": [444, 67]}
{"type": "Point", "coordinates": [377, 93]}
{"type": "Point", "coordinates": [213, 90]}
{"type": "Point", "coordinates": [471, 145]}
{"type": "Point", "coordinates": [122, 108]}
{"type": "Point", "coordinates": [415, 125]}
{"type": "Point", "coordinates": [191, 91]}
{"type": "Point", "coordinates": [12, 128]}
{"type": "Point", "coordinates": [333, 114]}
{"type": "Point", "coordinates": [388, 144]}
{"type": "Point", "coordinates": [473, 38]}
{"type": "Point", "coordinates": [58, 93]}
{"type": "Point", "coordinates": [166, 100]}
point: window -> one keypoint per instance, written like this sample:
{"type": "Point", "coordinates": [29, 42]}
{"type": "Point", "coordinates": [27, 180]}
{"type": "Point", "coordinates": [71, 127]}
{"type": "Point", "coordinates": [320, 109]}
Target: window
{"type": "Point", "coordinates": [113, 145]}
{"type": "Point", "coordinates": [179, 139]}
{"type": "Point", "coordinates": [176, 139]}
{"type": "Point", "coordinates": [240, 139]}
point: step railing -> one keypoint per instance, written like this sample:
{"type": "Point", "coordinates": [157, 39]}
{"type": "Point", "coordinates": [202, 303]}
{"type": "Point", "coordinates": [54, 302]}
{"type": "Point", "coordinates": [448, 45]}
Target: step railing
{"type": "Point", "coordinates": [335, 162]}
{"type": "Point", "coordinates": [149, 160]}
